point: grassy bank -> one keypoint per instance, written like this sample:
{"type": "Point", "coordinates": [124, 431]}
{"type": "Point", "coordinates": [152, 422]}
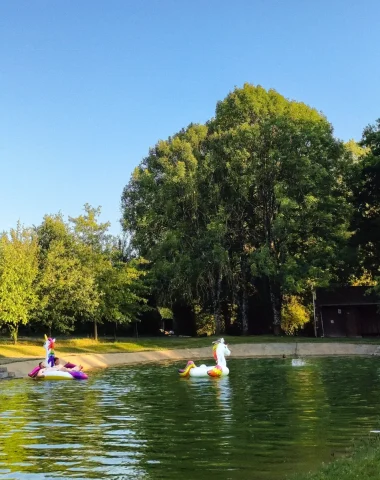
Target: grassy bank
{"type": "Point", "coordinates": [363, 463]}
{"type": "Point", "coordinates": [32, 347]}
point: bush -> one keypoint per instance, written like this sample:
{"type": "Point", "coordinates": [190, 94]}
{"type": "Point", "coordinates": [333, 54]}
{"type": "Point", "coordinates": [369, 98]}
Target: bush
{"type": "Point", "coordinates": [205, 322]}
{"type": "Point", "coordinates": [294, 315]}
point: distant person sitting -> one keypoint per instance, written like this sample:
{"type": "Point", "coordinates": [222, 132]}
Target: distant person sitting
{"type": "Point", "coordinates": [42, 370]}
{"type": "Point", "coordinates": [57, 367]}
{"type": "Point", "coordinates": [68, 367]}
{"type": "Point", "coordinates": [36, 370]}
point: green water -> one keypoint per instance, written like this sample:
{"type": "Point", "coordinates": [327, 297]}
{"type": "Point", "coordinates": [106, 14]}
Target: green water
{"type": "Point", "coordinates": [265, 421]}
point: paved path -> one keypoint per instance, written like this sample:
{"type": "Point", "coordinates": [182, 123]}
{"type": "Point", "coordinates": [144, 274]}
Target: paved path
{"type": "Point", "coordinates": [251, 350]}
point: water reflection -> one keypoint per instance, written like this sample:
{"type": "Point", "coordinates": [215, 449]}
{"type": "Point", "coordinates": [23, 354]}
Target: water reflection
{"type": "Point", "coordinates": [263, 421]}
{"type": "Point", "coordinates": [223, 395]}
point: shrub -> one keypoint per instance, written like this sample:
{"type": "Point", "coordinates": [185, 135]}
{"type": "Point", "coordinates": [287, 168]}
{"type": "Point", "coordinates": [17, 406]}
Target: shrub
{"type": "Point", "coordinates": [294, 315]}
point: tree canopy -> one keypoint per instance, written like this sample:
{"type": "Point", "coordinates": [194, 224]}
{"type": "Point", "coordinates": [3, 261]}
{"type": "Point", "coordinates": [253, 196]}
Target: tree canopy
{"type": "Point", "coordinates": [257, 195]}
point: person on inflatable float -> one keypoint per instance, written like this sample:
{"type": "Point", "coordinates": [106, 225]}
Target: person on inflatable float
{"type": "Point", "coordinates": [67, 367]}
{"type": "Point", "coordinates": [51, 369]}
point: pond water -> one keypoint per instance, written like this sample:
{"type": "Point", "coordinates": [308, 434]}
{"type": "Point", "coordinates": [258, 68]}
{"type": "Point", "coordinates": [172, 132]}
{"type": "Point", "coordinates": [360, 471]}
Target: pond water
{"type": "Point", "coordinates": [266, 421]}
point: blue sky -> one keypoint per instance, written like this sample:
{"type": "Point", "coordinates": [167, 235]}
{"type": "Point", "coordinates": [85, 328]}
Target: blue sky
{"type": "Point", "coordinates": [86, 87]}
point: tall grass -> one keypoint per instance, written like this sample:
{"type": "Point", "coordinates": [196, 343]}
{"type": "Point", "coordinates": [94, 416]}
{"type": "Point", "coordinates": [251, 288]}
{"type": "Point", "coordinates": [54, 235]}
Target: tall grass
{"type": "Point", "coordinates": [361, 463]}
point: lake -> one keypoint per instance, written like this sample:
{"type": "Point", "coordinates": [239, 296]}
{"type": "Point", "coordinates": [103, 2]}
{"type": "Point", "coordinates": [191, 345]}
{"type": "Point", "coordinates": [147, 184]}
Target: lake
{"type": "Point", "coordinates": [265, 421]}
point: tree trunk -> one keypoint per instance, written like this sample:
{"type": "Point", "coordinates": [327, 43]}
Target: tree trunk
{"type": "Point", "coordinates": [244, 311]}
{"type": "Point", "coordinates": [217, 310]}
{"type": "Point", "coordinates": [95, 331]}
{"type": "Point", "coordinates": [175, 326]}
{"type": "Point", "coordinates": [137, 331]}
{"type": "Point", "coordinates": [245, 278]}
{"type": "Point", "coordinates": [14, 333]}
{"type": "Point", "coordinates": [276, 301]}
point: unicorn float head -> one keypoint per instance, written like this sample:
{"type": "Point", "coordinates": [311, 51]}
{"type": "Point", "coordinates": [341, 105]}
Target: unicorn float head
{"type": "Point", "coordinates": [49, 347]}
{"type": "Point", "coordinates": [220, 351]}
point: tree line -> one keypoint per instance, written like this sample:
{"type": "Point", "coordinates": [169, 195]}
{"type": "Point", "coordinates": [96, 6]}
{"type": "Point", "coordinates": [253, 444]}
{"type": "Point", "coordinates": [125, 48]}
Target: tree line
{"type": "Point", "coordinates": [227, 225]}
{"type": "Point", "coordinates": [262, 201]}
{"type": "Point", "coordinates": [60, 274]}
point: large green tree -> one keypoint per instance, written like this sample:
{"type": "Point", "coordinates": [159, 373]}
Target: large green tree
{"type": "Point", "coordinates": [124, 292]}
{"type": "Point", "coordinates": [116, 281]}
{"type": "Point", "coordinates": [283, 175]}
{"type": "Point", "coordinates": [94, 251]}
{"type": "Point", "coordinates": [258, 192]}
{"type": "Point", "coordinates": [18, 272]}
{"type": "Point", "coordinates": [164, 214]}
{"type": "Point", "coordinates": [66, 286]}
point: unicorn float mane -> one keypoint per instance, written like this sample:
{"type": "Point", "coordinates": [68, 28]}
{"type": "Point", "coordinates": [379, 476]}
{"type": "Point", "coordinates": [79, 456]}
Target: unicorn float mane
{"type": "Point", "coordinates": [214, 347]}
{"type": "Point", "coordinates": [219, 349]}
{"type": "Point", "coordinates": [49, 347]}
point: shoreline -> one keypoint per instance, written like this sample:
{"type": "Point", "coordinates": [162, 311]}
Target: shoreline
{"type": "Point", "coordinates": [21, 368]}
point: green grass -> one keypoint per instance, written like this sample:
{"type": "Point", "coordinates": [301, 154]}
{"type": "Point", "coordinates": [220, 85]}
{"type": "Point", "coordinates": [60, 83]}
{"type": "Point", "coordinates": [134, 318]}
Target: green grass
{"type": "Point", "coordinates": [32, 347]}
{"type": "Point", "coordinates": [362, 463]}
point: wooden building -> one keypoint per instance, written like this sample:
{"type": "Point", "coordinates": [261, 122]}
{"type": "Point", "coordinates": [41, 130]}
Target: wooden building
{"type": "Point", "coordinates": [347, 312]}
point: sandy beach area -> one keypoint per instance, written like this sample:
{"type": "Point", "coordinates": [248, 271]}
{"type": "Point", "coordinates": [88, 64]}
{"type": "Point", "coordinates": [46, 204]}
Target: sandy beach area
{"type": "Point", "coordinates": [21, 368]}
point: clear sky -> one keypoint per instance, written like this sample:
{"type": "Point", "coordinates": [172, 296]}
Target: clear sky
{"type": "Point", "coordinates": [86, 87]}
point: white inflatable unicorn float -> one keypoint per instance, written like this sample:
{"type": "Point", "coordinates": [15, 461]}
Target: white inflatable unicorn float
{"type": "Point", "coordinates": [220, 351]}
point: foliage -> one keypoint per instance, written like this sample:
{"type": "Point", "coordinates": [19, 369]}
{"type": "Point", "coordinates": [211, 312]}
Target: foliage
{"type": "Point", "coordinates": [89, 231]}
{"type": "Point", "coordinates": [66, 289]}
{"type": "Point", "coordinates": [365, 280]}
{"type": "Point", "coordinates": [59, 274]}
{"type": "Point", "coordinates": [94, 248]}
{"type": "Point", "coordinates": [123, 291]}
{"type": "Point", "coordinates": [166, 313]}
{"type": "Point", "coordinates": [356, 150]}
{"type": "Point", "coordinates": [65, 285]}
{"type": "Point", "coordinates": [260, 191]}
{"type": "Point", "coordinates": [294, 315]}
{"type": "Point", "coordinates": [366, 202]}
{"type": "Point", "coordinates": [18, 272]}
{"type": "Point", "coordinates": [205, 324]}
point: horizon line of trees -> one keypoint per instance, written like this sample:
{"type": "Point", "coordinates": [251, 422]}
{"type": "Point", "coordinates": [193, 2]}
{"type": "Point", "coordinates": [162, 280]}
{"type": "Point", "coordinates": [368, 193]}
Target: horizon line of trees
{"type": "Point", "coordinates": [60, 274]}
{"type": "Point", "coordinates": [260, 205]}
